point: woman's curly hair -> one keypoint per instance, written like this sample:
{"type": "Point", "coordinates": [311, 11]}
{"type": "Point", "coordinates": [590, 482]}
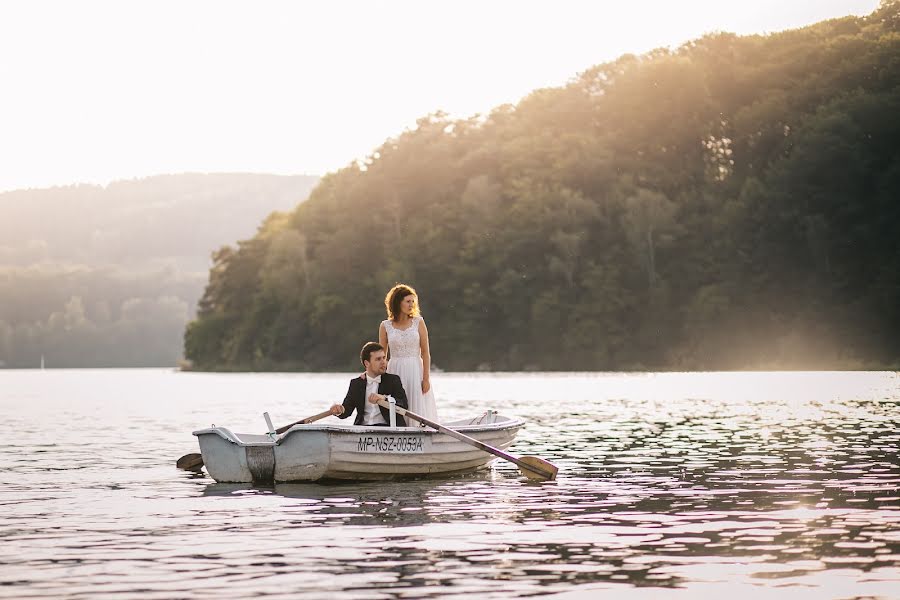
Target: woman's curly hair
{"type": "Point", "coordinates": [395, 296]}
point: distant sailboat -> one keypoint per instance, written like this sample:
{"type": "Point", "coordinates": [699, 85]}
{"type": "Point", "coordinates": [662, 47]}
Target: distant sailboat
{"type": "Point", "coordinates": [42, 362]}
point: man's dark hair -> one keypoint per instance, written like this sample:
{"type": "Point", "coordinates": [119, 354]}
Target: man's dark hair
{"type": "Point", "coordinates": [367, 350]}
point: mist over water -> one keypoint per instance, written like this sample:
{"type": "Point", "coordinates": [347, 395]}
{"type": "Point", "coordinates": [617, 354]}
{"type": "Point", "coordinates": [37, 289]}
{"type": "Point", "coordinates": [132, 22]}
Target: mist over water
{"type": "Point", "coordinates": [676, 485]}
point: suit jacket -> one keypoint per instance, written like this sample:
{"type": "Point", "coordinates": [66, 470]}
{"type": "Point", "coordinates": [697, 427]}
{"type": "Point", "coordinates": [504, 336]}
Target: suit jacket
{"type": "Point", "coordinates": [356, 398]}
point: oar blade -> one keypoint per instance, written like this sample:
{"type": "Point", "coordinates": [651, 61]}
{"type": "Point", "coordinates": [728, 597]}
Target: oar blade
{"type": "Point", "coordinates": [190, 462]}
{"type": "Point", "coordinates": [543, 470]}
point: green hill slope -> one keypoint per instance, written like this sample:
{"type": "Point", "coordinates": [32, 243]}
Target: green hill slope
{"type": "Point", "coordinates": [729, 204]}
{"type": "Point", "coordinates": [95, 276]}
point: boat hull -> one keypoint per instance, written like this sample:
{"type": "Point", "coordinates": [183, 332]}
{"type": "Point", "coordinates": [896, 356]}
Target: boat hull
{"type": "Point", "coordinates": [358, 453]}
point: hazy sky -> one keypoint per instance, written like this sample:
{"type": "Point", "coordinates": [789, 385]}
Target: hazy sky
{"type": "Point", "coordinates": [99, 90]}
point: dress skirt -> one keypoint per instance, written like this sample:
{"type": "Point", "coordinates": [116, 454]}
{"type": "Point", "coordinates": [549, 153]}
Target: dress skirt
{"type": "Point", "coordinates": [409, 369]}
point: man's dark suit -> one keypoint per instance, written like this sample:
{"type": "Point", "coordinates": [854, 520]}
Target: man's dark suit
{"type": "Point", "coordinates": [356, 398]}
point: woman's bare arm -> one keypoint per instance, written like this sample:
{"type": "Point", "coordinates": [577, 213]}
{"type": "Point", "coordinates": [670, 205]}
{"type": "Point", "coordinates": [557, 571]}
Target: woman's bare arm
{"type": "Point", "coordinates": [426, 356]}
{"type": "Point", "coordinates": [382, 338]}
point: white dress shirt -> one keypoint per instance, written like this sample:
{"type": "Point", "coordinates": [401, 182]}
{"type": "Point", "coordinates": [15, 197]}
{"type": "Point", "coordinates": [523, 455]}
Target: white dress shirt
{"type": "Point", "coordinates": [373, 414]}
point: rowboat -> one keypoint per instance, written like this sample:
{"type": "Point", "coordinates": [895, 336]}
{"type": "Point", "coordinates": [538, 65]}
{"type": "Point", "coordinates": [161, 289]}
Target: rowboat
{"type": "Point", "coordinates": [312, 452]}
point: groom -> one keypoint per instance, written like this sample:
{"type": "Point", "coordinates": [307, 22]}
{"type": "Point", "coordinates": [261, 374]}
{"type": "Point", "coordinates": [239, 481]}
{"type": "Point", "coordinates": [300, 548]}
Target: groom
{"type": "Point", "coordinates": [377, 385]}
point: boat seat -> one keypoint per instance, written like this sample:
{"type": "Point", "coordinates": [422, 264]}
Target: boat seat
{"type": "Point", "coordinates": [251, 438]}
{"type": "Point", "coordinates": [243, 439]}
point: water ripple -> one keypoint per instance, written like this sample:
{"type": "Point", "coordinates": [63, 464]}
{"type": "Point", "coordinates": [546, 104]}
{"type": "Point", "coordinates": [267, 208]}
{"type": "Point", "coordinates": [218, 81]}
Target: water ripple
{"type": "Point", "coordinates": [671, 485]}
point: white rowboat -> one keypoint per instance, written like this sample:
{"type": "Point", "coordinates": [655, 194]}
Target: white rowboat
{"type": "Point", "coordinates": [315, 451]}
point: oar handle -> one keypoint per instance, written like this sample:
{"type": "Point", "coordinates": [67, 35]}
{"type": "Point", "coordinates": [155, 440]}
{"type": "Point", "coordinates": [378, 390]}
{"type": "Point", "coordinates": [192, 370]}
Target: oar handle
{"type": "Point", "coordinates": [470, 440]}
{"type": "Point", "coordinates": [311, 419]}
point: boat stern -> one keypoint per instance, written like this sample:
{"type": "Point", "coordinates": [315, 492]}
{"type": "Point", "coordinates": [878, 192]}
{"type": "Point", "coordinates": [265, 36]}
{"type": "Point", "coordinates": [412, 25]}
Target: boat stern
{"type": "Point", "coordinates": [232, 459]}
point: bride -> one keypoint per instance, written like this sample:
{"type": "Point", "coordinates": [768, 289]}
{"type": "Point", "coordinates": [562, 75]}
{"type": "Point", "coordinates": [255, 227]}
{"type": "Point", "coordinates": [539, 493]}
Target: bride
{"type": "Point", "coordinates": [405, 338]}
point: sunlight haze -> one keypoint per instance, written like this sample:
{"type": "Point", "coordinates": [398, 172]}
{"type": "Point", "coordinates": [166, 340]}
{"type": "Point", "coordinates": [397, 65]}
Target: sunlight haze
{"type": "Point", "coordinates": [96, 91]}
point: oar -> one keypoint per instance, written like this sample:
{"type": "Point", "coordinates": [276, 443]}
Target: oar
{"type": "Point", "coordinates": [190, 462]}
{"type": "Point", "coordinates": [307, 420]}
{"type": "Point", "coordinates": [194, 461]}
{"type": "Point", "coordinates": [531, 466]}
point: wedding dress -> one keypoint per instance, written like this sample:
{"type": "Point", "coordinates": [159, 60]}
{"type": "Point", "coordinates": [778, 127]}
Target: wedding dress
{"type": "Point", "coordinates": [406, 362]}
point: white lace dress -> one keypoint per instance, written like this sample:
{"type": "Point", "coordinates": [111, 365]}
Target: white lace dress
{"type": "Point", "coordinates": [406, 362]}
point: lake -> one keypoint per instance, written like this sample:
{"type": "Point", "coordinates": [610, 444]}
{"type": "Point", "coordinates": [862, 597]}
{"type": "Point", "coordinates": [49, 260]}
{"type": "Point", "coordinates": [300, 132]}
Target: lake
{"type": "Point", "coordinates": [671, 485]}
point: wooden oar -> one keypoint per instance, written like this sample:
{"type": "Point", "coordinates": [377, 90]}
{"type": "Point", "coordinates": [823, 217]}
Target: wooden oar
{"type": "Point", "coordinates": [194, 461]}
{"type": "Point", "coordinates": [190, 462]}
{"type": "Point", "coordinates": [307, 420]}
{"type": "Point", "coordinates": [531, 466]}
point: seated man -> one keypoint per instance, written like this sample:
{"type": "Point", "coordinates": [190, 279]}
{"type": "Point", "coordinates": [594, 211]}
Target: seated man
{"type": "Point", "coordinates": [377, 385]}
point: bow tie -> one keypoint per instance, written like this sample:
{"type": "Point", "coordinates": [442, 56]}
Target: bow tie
{"type": "Point", "coordinates": [370, 381]}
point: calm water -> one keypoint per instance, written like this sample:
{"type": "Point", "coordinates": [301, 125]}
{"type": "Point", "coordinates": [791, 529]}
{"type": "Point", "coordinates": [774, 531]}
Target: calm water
{"type": "Point", "coordinates": [778, 485]}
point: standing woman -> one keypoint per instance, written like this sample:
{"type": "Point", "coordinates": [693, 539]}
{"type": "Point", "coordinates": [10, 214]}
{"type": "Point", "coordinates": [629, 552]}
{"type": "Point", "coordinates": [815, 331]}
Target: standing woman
{"type": "Point", "coordinates": [405, 338]}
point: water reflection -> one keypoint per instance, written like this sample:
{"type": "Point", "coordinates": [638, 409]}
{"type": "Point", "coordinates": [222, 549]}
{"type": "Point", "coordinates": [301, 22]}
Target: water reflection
{"type": "Point", "coordinates": [670, 486]}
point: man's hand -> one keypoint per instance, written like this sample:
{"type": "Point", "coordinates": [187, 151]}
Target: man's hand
{"type": "Point", "coordinates": [337, 409]}
{"type": "Point", "coordinates": [374, 398]}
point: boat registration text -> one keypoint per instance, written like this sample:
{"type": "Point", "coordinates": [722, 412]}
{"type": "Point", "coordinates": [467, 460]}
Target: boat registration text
{"type": "Point", "coordinates": [390, 443]}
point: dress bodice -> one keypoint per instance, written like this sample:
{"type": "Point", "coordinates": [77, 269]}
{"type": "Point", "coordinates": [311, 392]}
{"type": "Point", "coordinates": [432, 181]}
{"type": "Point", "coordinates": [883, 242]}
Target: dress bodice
{"type": "Point", "coordinates": [403, 343]}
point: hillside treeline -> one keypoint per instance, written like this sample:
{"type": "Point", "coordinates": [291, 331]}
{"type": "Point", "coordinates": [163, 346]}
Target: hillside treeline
{"type": "Point", "coordinates": [733, 203]}
{"type": "Point", "coordinates": [84, 317]}
{"type": "Point", "coordinates": [109, 276]}
{"type": "Point", "coordinates": [172, 220]}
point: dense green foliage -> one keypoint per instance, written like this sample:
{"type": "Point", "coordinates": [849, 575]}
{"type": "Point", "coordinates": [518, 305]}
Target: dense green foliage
{"type": "Point", "coordinates": [729, 204]}
{"type": "Point", "coordinates": [95, 276]}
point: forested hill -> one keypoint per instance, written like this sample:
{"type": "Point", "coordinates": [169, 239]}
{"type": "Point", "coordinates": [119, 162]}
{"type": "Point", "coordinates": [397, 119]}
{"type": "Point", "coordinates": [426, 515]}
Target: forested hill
{"type": "Point", "coordinates": [733, 203]}
{"type": "Point", "coordinates": [109, 276]}
{"type": "Point", "coordinates": [174, 220]}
